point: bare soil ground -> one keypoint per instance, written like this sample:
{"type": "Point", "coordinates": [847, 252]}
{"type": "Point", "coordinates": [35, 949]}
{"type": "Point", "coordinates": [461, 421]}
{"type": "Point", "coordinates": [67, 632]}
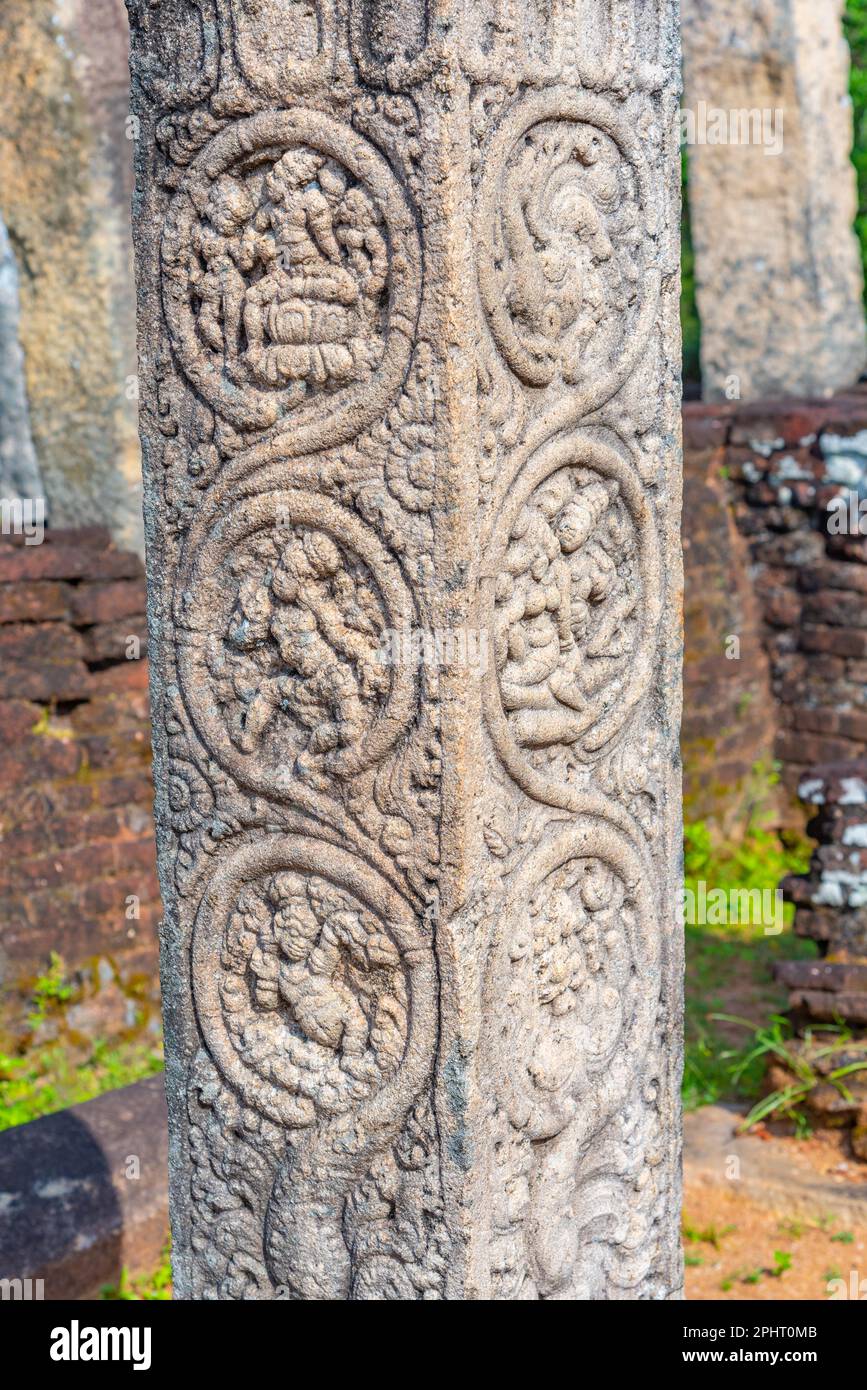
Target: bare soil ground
{"type": "Point", "coordinates": [745, 1242]}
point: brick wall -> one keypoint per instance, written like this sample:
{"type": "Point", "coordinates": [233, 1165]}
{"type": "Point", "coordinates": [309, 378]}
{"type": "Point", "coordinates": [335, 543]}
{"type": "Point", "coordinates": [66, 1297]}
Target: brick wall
{"type": "Point", "coordinates": [792, 592]}
{"type": "Point", "coordinates": [77, 859]}
{"type": "Point", "coordinates": [729, 722]}
{"type": "Point", "coordinates": [831, 900]}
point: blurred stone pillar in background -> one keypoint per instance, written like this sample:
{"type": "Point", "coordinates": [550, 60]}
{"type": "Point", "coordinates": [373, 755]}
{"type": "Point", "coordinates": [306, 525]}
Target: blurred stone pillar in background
{"type": "Point", "coordinates": [409, 353]}
{"type": "Point", "coordinates": [65, 184]}
{"type": "Point", "coordinates": [772, 197]}
{"type": "Point", "coordinates": [19, 469]}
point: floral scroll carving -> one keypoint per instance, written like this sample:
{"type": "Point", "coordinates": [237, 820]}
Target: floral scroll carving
{"type": "Point", "coordinates": [404, 270]}
{"type": "Point", "coordinates": [580, 978]}
{"type": "Point", "coordinates": [576, 1048]}
{"type": "Point", "coordinates": [314, 990]}
{"type": "Point", "coordinates": [576, 942]}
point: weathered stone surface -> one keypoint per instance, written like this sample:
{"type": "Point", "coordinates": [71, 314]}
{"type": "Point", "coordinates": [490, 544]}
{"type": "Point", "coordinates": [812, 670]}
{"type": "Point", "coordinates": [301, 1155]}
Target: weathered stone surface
{"type": "Point", "coordinates": [65, 184]}
{"type": "Point", "coordinates": [408, 293]}
{"type": "Point", "coordinates": [778, 272]}
{"type": "Point", "coordinates": [83, 1193]}
{"type": "Point", "coordinates": [19, 470]}
{"type": "Point", "coordinates": [775, 1173]}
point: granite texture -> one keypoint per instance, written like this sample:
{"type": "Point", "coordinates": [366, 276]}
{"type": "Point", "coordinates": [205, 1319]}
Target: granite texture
{"type": "Point", "coordinates": [409, 356]}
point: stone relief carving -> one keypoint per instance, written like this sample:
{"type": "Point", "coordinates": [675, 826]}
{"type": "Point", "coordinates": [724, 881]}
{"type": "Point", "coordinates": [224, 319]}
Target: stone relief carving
{"type": "Point", "coordinates": [575, 943]}
{"type": "Point", "coordinates": [279, 58]}
{"type": "Point", "coordinates": [290, 271]}
{"type": "Point", "coordinates": [566, 271]}
{"type": "Point", "coordinates": [314, 991]}
{"type": "Point", "coordinates": [182, 59]}
{"type": "Point", "coordinates": [390, 42]}
{"type": "Point", "coordinates": [405, 273]}
{"type": "Point", "coordinates": [572, 952]}
{"type": "Point", "coordinates": [602, 45]}
{"type": "Point", "coordinates": [574, 612]}
{"type": "Point", "coordinates": [281, 658]}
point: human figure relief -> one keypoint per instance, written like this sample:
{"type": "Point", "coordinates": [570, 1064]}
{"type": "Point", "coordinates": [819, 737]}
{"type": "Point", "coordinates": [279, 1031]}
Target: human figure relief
{"type": "Point", "coordinates": [313, 954]}
{"type": "Point", "coordinates": [226, 250]}
{"type": "Point", "coordinates": [289, 270]}
{"type": "Point", "coordinates": [564, 608]}
{"type": "Point", "coordinates": [300, 651]}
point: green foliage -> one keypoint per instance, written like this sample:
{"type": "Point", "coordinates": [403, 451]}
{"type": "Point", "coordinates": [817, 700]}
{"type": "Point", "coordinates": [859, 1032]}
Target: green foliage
{"type": "Point", "coordinates": [819, 1043]}
{"type": "Point", "coordinates": [45, 1080]}
{"type": "Point", "coordinates": [153, 1288]}
{"type": "Point", "coordinates": [50, 1067]}
{"type": "Point", "coordinates": [760, 858]}
{"type": "Point", "coordinates": [709, 1235]}
{"type": "Point", "coordinates": [689, 321]}
{"type": "Point", "coordinates": [782, 1263]}
{"type": "Point", "coordinates": [855, 22]}
{"type": "Point", "coordinates": [734, 959]}
{"type": "Point", "coordinates": [49, 990]}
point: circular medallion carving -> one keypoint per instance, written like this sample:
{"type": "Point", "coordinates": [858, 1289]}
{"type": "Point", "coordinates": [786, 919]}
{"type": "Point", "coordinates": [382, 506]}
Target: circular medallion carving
{"type": "Point", "coordinates": [291, 276]}
{"type": "Point", "coordinates": [302, 961]}
{"type": "Point", "coordinates": [573, 597]}
{"type": "Point", "coordinates": [566, 246]}
{"type": "Point", "coordinates": [279, 625]}
{"type": "Point", "coordinates": [570, 976]}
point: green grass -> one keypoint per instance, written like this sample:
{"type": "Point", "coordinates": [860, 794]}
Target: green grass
{"type": "Point", "coordinates": [727, 965]}
{"type": "Point", "coordinates": [45, 1074]}
{"type": "Point", "coordinates": [45, 1080]}
{"type": "Point", "coordinates": [156, 1287]}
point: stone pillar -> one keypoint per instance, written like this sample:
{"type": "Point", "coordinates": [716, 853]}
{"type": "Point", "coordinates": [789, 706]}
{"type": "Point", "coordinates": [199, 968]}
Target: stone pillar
{"type": "Point", "coordinates": [65, 184]}
{"type": "Point", "coordinates": [19, 470]}
{"type": "Point", "coordinates": [772, 197]}
{"type": "Point", "coordinates": [408, 304]}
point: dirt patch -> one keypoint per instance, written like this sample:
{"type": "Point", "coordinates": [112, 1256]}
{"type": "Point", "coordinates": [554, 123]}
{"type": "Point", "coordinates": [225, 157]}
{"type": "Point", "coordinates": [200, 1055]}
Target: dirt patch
{"type": "Point", "coordinates": [770, 1216]}
{"type": "Point", "coordinates": [738, 1250]}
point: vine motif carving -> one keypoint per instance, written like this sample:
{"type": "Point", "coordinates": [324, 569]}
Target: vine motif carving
{"type": "Point", "coordinates": [571, 1024]}
{"type": "Point", "coordinates": [576, 942]}
{"type": "Point", "coordinates": [310, 506]}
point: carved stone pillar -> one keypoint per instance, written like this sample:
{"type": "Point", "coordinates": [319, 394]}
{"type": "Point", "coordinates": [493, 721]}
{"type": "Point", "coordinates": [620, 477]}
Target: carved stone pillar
{"type": "Point", "coordinates": [408, 281]}
{"type": "Point", "coordinates": [772, 197]}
